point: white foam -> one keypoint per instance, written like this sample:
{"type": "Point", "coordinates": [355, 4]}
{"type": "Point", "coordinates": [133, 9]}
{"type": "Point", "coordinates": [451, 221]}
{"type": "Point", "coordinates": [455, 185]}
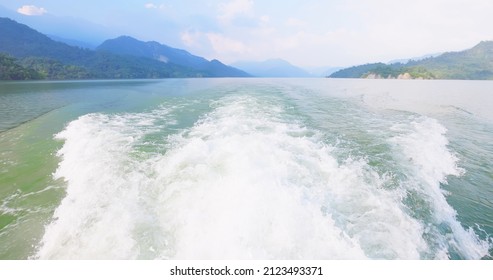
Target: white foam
{"type": "Point", "coordinates": [245, 182]}
{"type": "Point", "coordinates": [424, 144]}
{"type": "Point", "coordinates": [96, 218]}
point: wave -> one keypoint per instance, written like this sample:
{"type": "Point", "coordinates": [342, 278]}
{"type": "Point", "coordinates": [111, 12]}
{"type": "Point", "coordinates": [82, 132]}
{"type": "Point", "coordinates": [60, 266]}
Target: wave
{"type": "Point", "coordinates": [423, 142]}
{"type": "Point", "coordinates": [246, 181]}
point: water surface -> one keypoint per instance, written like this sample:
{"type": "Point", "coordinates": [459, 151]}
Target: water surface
{"type": "Point", "coordinates": [246, 169]}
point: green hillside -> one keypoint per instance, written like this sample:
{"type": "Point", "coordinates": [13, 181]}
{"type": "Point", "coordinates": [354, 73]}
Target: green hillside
{"type": "Point", "coordinates": [48, 59]}
{"type": "Point", "coordinates": [472, 64]}
{"type": "Point", "coordinates": [10, 69]}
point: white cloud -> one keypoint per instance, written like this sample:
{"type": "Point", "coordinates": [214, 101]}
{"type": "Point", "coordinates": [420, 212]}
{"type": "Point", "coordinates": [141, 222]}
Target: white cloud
{"type": "Point", "coordinates": [295, 22]}
{"type": "Point", "coordinates": [223, 45]}
{"type": "Point", "coordinates": [340, 33]}
{"type": "Point", "coordinates": [31, 10]}
{"type": "Point", "coordinates": [265, 19]}
{"type": "Point", "coordinates": [189, 38]}
{"type": "Point", "coordinates": [151, 5]}
{"type": "Point", "coordinates": [390, 29]}
{"type": "Point", "coordinates": [228, 11]}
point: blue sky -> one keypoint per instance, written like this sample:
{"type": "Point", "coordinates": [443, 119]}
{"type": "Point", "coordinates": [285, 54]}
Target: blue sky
{"type": "Point", "coordinates": [304, 32]}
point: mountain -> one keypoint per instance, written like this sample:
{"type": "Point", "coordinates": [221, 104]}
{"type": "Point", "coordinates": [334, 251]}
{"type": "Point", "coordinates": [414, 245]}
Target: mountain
{"type": "Point", "coordinates": [73, 43]}
{"type": "Point", "coordinates": [10, 70]}
{"type": "Point", "coordinates": [472, 64]}
{"type": "Point", "coordinates": [71, 28]}
{"type": "Point", "coordinates": [271, 68]}
{"type": "Point", "coordinates": [358, 71]}
{"type": "Point", "coordinates": [322, 71]}
{"type": "Point", "coordinates": [126, 45]}
{"type": "Point", "coordinates": [57, 60]}
{"type": "Point", "coordinates": [21, 41]}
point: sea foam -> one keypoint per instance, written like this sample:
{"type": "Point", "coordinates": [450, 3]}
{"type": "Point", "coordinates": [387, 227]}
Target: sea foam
{"type": "Point", "coordinates": [422, 141]}
{"type": "Point", "coordinates": [246, 181]}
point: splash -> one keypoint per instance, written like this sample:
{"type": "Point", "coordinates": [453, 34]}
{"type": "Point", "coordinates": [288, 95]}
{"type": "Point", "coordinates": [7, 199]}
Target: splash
{"type": "Point", "coordinates": [246, 181]}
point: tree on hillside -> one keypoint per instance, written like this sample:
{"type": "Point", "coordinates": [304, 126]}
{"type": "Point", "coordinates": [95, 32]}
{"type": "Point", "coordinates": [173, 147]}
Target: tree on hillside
{"type": "Point", "coordinates": [10, 70]}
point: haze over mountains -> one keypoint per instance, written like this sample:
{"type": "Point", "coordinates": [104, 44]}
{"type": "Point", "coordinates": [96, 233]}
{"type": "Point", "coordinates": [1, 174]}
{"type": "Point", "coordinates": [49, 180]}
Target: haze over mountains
{"type": "Point", "coordinates": [53, 57]}
{"type": "Point", "coordinates": [74, 31]}
{"type": "Point", "coordinates": [125, 45]}
{"type": "Point", "coordinates": [271, 68]}
{"type": "Point", "coordinates": [28, 54]}
{"type": "Point", "coordinates": [121, 58]}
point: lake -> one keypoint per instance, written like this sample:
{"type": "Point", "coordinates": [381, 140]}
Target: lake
{"type": "Point", "coordinates": [246, 169]}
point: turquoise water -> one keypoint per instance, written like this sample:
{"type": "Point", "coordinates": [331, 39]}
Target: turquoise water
{"type": "Point", "coordinates": [246, 169]}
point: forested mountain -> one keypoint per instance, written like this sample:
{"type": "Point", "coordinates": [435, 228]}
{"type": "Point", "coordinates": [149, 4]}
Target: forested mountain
{"type": "Point", "coordinates": [56, 60]}
{"type": "Point", "coordinates": [472, 64]}
{"type": "Point", "coordinates": [11, 70]}
{"type": "Point", "coordinates": [126, 45]}
{"type": "Point", "coordinates": [271, 68]}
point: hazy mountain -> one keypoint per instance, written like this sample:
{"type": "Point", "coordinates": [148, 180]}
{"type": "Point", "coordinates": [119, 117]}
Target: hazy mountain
{"type": "Point", "coordinates": [21, 41]}
{"type": "Point", "coordinates": [323, 71]}
{"type": "Point", "coordinates": [271, 68]}
{"type": "Point", "coordinates": [126, 45]}
{"type": "Point", "coordinates": [472, 64]}
{"type": "Point", "coordinates": [62, 27]}
{"type": "Point", "coordinates": [57, 60]}
{"type": "Point", "coordinates": [4, 12]}
{"type": "Point", "coordinates": [74, 43]}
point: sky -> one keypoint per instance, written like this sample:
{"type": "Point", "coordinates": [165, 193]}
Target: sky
{"type": "Point", "coordinates": [307, 33]}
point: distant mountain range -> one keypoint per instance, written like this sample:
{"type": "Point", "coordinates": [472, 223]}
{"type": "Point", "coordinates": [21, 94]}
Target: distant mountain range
{"type": "Point", "coordinates": [28, 54]}
{"type": "Point", "coordinates": [472, 64]}
{"type": "Point", "coordinates": [406, 60]}
{"type": "Point", "coordinates": [271, 68]}
{"type": "Point", "coordinates": [121, 58]}
{"type": "Point", "coordinates": [73, 43]}
{"type": "Point", "coordinates": [322, 71]}
{"type": "Point", "coordinates": [126, 45]}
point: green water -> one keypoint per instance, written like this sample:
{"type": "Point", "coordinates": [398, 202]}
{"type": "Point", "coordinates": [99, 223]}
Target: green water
{"type": "Point", "coordinates": [132, 169]}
